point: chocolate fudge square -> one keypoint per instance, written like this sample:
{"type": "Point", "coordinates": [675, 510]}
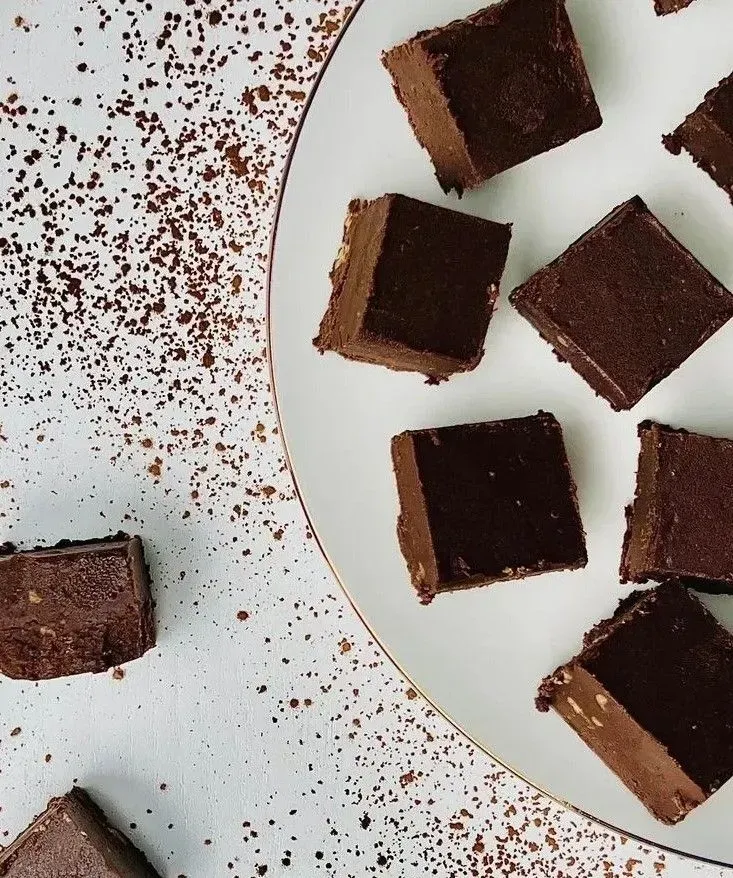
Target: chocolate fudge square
{"type": "Point", "coordinates": [707, 135]}
{"type": "Point", "coordinates": [625, 305]}
{"type": "Point", "coordinates": [681, 522]}
{"type": "Point", "coordinates": [664, 7]}
{"type": "Point", "coordinates": [650, 695]}
{"type": "Point", "coordinates": [73, 839]}
{"type": "Point", "coordinates": [414, 286]}
{"type": "Point", "coordinates": [76, 608]}
{"type": "Point", "coordinates": [489, 92]}
{"type": "Point", "coordinates": [484, 503]}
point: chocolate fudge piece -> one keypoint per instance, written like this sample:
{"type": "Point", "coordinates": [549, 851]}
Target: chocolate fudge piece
{"type": "Point", "coordinates": [664, 7]}
{"type": "Point", "coordinates": [72, 839]}
{"type": "Point", "coordinates": [681, 522]}
{"type": "Point", "coordinates": [483, 503]}
{"type": "Point", "coordinates": [707, 134]}
{"type": "Point", "coordinates": [489, 92]}
{"type": "Point", "coordinates": [650, 695]}
{"type": "Point", "coordinates": [625, 305]}
{"type": "Point", "coordinates": [78, 607]}
{"type": "Point", "coordinates": [414, 286]}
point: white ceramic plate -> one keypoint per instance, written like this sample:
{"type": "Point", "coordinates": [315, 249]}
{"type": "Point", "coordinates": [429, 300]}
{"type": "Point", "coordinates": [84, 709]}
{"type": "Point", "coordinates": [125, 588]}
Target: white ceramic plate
{"type": "Point", "coordinates": [479, 655]}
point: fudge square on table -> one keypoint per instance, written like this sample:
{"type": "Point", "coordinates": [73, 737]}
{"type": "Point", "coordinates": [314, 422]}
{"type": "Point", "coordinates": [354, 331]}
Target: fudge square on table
{"type": "Point", "coordinates": [414, 286]}
{"type": "Point", "coordinates": [72, 839]}
{"type": "Point", "coordinates": [76, 608]}
{"type": "Point", "coordinates": [651, 694]}
{"type": "Point", "coordinates": [664, 7]}
{"type": "Point", "coordinates": [707, 134]}
{"type": "Point", "coordinates": [625, 305]}
{"type": "Point", "coordinates": [491, 91]}
{"type": "Point", "coordinates": [483, 503]}
{"type": "Point", "coordinates": [681, 523]}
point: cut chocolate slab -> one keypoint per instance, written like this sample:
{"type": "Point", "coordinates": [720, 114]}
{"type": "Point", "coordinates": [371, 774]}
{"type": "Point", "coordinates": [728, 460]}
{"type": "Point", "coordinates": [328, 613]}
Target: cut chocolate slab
{"type": "Point", "coordinates": [681, 522]}
{"type": "Point", "coordinates": [414, 286]}
{"type": "Point", "coordinates": [483, 503]}
{"type": "Point", "coordinates": [650, 694]}
{"type": "Point", "coordinates": [664, 7]}
{"type": "Point", "coordinates": [625, 305]}
{"type": "Point", "coordinates": [491, 91]}
{"type": "Point", "coordinates": [707, 134]}
{"type": "Point", "coordinates": [72, 839]}
{"type": "Point", "coordinates": [74, 608]}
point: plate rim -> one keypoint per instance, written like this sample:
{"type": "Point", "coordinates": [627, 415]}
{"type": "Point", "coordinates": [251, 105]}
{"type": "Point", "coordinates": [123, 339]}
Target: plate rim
{"type": "Point", "coordinates": [480, 747]}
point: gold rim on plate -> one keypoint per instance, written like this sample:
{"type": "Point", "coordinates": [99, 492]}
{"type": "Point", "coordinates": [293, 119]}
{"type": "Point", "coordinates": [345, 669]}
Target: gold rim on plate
{"type": "Point", "coordinates": [288, 460]}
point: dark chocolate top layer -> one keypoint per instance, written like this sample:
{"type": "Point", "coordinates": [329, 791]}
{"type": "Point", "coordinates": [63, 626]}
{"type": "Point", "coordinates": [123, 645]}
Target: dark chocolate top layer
{"type": "Point", "coordinates": [685, 504]}
{"type": "Point", "coordinates": [72, 839]}
{"type": "Point", "coordinates": [626, 304]}
{"type": "Point", "coordinates": [74, 608]}
{"type": "Point", "coordinates": [500, 497]}
{"type": "Point", "coordinates": [515, 81]}
{"type": "Point", "coordinates": [669, 662]}
{"type": "Point", "coordinates": [433, 282]}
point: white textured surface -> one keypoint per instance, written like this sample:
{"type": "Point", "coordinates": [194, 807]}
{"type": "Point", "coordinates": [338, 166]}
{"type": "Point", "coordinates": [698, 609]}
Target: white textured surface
{"type": "Point", "coordinates": [285, 740]}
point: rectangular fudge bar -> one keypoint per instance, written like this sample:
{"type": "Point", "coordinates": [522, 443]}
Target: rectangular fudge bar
{"type": "Point", "coordinates": [414, 286]}
{"type": "Point", "coordinates": [707, 135]}
{"type": "Point", "coordinates": [625, 305]}
{"type": "Point", "coordinates": [483, 503]}
{"type": "Point", "coordinates": [73, 839]}
{"type": "Point", "coordinates": [681, 523]}
{"type": "Point", "coordinates": [650, 695]}
{"type": "Point", "coordinates": [495, 89]}
{"type": "Point", "coordinates": [664, 7]}
{"type": "Point", "coordinates": [75, 608]}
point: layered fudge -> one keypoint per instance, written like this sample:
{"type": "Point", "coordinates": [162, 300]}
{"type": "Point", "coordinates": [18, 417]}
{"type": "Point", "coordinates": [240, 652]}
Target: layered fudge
{"type": "Point", "coordinates": [625, 305]}
{"type": "Point", "coordinates": [73, 839]}
{"type": "Point", "coordinates": [414, 286]}
{"type": "Point", "coordinates": [650, 695]}
{"type": "Point", "coordinates": [489, 92]}
{"type": "Point", "coordinates": [75, 608]}
{"type": "Point", "coordinates": [483, 503]}
{"type": "Point", "coordinates": [707, 135]}
{"type": "Point", "coordinates": [681, 521]}
{"type": "Point", "coordinates": [664, 7]}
